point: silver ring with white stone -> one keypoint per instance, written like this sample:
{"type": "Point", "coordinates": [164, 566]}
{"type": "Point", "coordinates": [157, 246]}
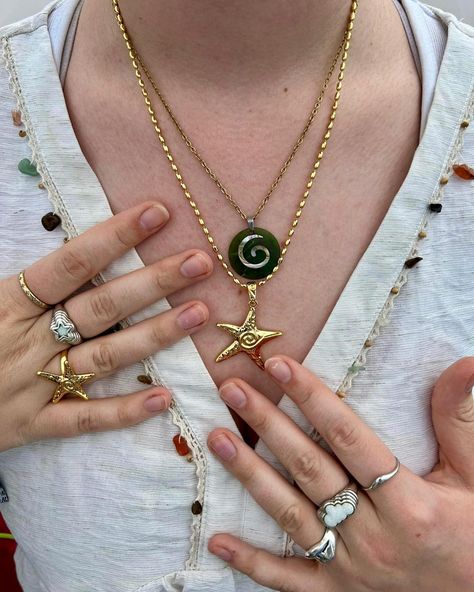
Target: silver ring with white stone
{"type": "Point", "coordinates": [63, 328]}
{"type": "Point", "coordinates": [325, 550]}
{"type": "Point", "coordinates": [338, 508]}
{"type": "Point", "coordinates": [377, 482]}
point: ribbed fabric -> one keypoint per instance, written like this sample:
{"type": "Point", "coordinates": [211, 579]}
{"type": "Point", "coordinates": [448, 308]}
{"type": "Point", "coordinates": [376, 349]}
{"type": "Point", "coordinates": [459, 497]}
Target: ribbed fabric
{"type": "Point", "coordinates": [110, 512]}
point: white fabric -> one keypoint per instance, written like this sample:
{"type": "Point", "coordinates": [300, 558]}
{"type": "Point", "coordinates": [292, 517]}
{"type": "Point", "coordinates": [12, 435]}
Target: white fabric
{"type": "Point", "coordinates": [110, 512]}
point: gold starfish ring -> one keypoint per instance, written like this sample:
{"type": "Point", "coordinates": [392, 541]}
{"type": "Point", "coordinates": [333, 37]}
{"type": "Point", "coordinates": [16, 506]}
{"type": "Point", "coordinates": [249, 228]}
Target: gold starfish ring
{"type": "Point", "coordinates": [68, 382]}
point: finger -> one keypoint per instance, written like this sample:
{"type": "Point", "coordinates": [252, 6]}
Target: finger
{"type": "Point", "coordinates": [358, 448]}
{"type": "Point", "coordinates": [98, 309]}
{"type": "Point", "coordinates": [293, 511]}
{"type": "Point", "coordinates": [59, 274]}
{"type": "Point", "coordinates": [289, 574]}
{"type": "Point", "coordinates": [317, 473]}
{"type": "Point", "coordinates": [105, 355]}
{"type": "Point", "coordinates": [453, 418]}
{"type": "Point", "coordinates": [73, 417]}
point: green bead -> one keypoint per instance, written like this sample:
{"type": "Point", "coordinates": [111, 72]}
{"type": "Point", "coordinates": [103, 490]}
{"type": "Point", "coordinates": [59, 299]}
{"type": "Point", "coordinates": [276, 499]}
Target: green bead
{"type": "Point", "coordinates": [254, 254]}
{"type": "Point", "coordinates": [26, 167]}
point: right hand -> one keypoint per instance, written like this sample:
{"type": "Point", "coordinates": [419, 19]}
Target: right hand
{"type": "Point", "coordinates": [27, 343]}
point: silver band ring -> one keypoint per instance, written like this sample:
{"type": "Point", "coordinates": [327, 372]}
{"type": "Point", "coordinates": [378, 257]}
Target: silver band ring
{"type": "Point", "coordinates": [376, 483]}
{"type": "Point", "coordinates": [338, 508]}
{"type": "Point", "coordinates": [325, 550]}
{"type": "Point", "coordinates": [63, 328]}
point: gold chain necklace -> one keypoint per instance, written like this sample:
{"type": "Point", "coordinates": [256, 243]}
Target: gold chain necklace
{"type": "Point", "coordinates": [194, 151]}
{"type": "Point", "coordinates": [251, 242]}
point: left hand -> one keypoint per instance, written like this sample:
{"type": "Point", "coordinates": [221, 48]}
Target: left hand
{"type": "Point", "coordinates": [412, 533]}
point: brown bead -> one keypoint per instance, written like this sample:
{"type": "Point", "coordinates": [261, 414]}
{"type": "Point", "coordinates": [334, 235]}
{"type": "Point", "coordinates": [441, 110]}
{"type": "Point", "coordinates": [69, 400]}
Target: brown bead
{"type": "Point", "coordinates": [342, 395]}
{"type": "Point", "coordinates": [444, 180]}
{"type": "Point", "coordinates": [22, 134]}
{"type": "Point", "coordinates": [368, 343]}
{"type": "Point", "coordinates": [465, 124]}
{"type": "Point", "coordinates": [463, 171]}
{"type": "Point", "coordinates": [395, 290]}
{"type": "Point", "coordinates": [196, 508]}
{"type": "Point", "coordinates": [16, 116]}
{"type": "Point", "coordinates": [181, 445]}
{"type": "Point", "coordinates": [50, 221]}
{"type": "Point", "coordinates": [41, 185]}
{"type": "Point", "coordinates": [145, 379]}
{"type": "Point", "coordinates": [422, 234]}
{"type": "Point", "coordinates": [65, 239]}
{"type": "Point", "coordinates": [412, 262]}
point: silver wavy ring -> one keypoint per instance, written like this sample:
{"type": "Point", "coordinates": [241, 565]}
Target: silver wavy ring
{"type": "Point", "coordinates": [63, 328]}
{"type": "Point", "coordinates": [376, 483]}
{"type": "Point", "coordinates": [338, 508]}
{"type": "Point", "coordinates": [325, 550]}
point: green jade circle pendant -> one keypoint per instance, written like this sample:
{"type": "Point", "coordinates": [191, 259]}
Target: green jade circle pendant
{"type": "Point", "coordinates": [254, 253]}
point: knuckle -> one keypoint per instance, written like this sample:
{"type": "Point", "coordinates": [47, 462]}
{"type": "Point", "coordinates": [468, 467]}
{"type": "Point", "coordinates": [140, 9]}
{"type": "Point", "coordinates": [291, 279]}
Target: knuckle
{"type": "Point", "coordinates": [158, 337]}
{"type": "Point", "coordinates": [291, 519]}
{"type": "Point", "coordinates": [261, 422]}
{"type": "Point", "coordinates": [87, 421]}
{"type": "Point", "coordinates": [76, 265]}
{"type": "Point", "coordinates": [342, 434]}
{"type": "Point", "coordinates": [105, 358]}
{"type": "Point", "coordinates": [125, 236]}
{"type": "Point", "coordinates": [104, 308]}
{"type": "Point", "coordinates": [306, 467]}
{"type": "Point", "coordinates": [163, 279]}
{"type": "Point", "coordinates": [124, 416]}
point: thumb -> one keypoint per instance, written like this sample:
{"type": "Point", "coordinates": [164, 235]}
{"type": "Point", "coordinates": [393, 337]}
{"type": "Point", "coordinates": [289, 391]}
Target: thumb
{"type": "Point", "coordinates": [453, 418]}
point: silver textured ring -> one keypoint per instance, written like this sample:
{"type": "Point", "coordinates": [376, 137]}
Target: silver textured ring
{"type": "Point", "coordinates": [338, 508]}
{"type": "Point", "coordinates": [377, 482]}
{"type": "Point", "coordinates": [63, 328]}
{"type": "Point", "coordinates": [323, 551]}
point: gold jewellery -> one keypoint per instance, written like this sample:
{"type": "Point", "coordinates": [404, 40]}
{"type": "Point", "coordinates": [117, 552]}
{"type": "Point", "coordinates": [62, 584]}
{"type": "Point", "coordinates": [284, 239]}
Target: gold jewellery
{"type": "Point", "coordinates": [29, 293]}
{"type": "Point", "coordinates": [254, 253]}
{"type": "Point", "coordinates": [69, 383]}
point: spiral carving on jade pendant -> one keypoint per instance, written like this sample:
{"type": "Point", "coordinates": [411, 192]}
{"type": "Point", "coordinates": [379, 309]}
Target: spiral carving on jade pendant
{"type": "Point", "coordinates": [254, 254]}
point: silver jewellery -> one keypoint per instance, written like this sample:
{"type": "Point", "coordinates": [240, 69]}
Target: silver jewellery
{"type": "Point", "coordinates": [338, 508]}
{"type": "Point", "coordinates": [325, 550]}
{"type": "Point", "coordinates": [376, 483]}
{"type": "Point", "coordinates": [63, 328]}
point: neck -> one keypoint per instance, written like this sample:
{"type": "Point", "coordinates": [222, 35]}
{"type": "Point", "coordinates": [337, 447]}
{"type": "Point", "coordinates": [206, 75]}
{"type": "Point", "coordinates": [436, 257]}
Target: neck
{"type": "Point", "coordinates": [224, 42]}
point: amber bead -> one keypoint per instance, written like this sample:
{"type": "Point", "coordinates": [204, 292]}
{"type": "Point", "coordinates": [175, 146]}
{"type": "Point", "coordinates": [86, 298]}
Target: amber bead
{"type": "Point", "coordinates": [412, 262]}
{"type": "Point", "coordinates": [145, 379]}
{"type": "Point", "coordinates": [395, 290]}
{"type": "Point", "coordinates": [16, 116]}
{"type": "Point", "coordinates": [41, 185]}
{"type": "Point", "coordinates": [463, 171]}
{"type": "Point", "coordinates": [368, 343]}
{"type": "Point", "coordinates": [181, 445]}
{"type": "Point", "coordinates": [196, 508]}
{"type": "Point", "coordinates": [422, 234]}
{"type": "Point", "coordinates": [465, 124]}
{"type": "Point", "coordinates": [444, 180]}
{"type": "Point", "coordinates": [50, 221]}
{"type": "Point", "coordinates": [22, 134]}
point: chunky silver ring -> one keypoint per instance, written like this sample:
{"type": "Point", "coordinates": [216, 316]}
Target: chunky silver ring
{"type": "Point", "coordinates": [63, 328]}
{"type": "Point", "coordinates": [325, 550]}
{"type": "Point", "coordinates": [338, 508]}
{"type": "Point", "coordinates": [376, 483]}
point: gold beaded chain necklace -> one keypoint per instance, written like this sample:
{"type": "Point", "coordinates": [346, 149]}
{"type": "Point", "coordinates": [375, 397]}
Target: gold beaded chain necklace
{"type": "Point", "coordinates": [254, 253]}
{"type": "Point", "coordinates": [194, 151]}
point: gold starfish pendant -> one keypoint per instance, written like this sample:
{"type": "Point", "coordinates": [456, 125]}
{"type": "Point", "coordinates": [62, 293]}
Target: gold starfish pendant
{"type": "Point", "coordinates": [68, 382]}
{"type": "Point", "coordinates": [248, 337]}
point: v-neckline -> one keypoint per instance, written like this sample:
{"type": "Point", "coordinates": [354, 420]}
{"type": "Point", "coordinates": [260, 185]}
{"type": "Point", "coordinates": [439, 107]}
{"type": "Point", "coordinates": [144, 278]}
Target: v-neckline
{"type": "Point", "coordinates": [82, 203]}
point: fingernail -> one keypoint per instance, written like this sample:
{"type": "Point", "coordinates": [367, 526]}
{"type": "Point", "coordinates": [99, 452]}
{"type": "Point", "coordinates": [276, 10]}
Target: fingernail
{"type": "Point", "coordinates": [155, 403]}
{"type": "Point", "coordinates": [470, 386]}
{"type": "Point", "coordinates": [233, 395]}
{"type": "Point", "coordinates": [224, 554]}
{"type": "Point", "coordinates": [191, 317]}
{"type": "Point", "coordinates": [278, 369]}
{"type": "Point", "coordinates": [195, 266]}
{"type": "Point", "coordinates": [154, 217]}
{"type": "Point", "coordinates": [223, 447]}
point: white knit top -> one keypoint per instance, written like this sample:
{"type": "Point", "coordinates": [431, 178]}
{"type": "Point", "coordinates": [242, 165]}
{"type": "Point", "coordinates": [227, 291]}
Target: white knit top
{"type": "Point", "coordinates": [111, 512]}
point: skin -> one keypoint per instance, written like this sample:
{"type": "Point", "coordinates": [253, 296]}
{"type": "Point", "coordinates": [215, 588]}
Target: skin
{"type": "Point", "coordinates": [241, 77]}
{"type": "Point", "coordinates": [233, 104]}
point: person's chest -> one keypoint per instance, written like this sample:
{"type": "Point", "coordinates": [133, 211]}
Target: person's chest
{"type": "Point", "coordinates": [365, 163]}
